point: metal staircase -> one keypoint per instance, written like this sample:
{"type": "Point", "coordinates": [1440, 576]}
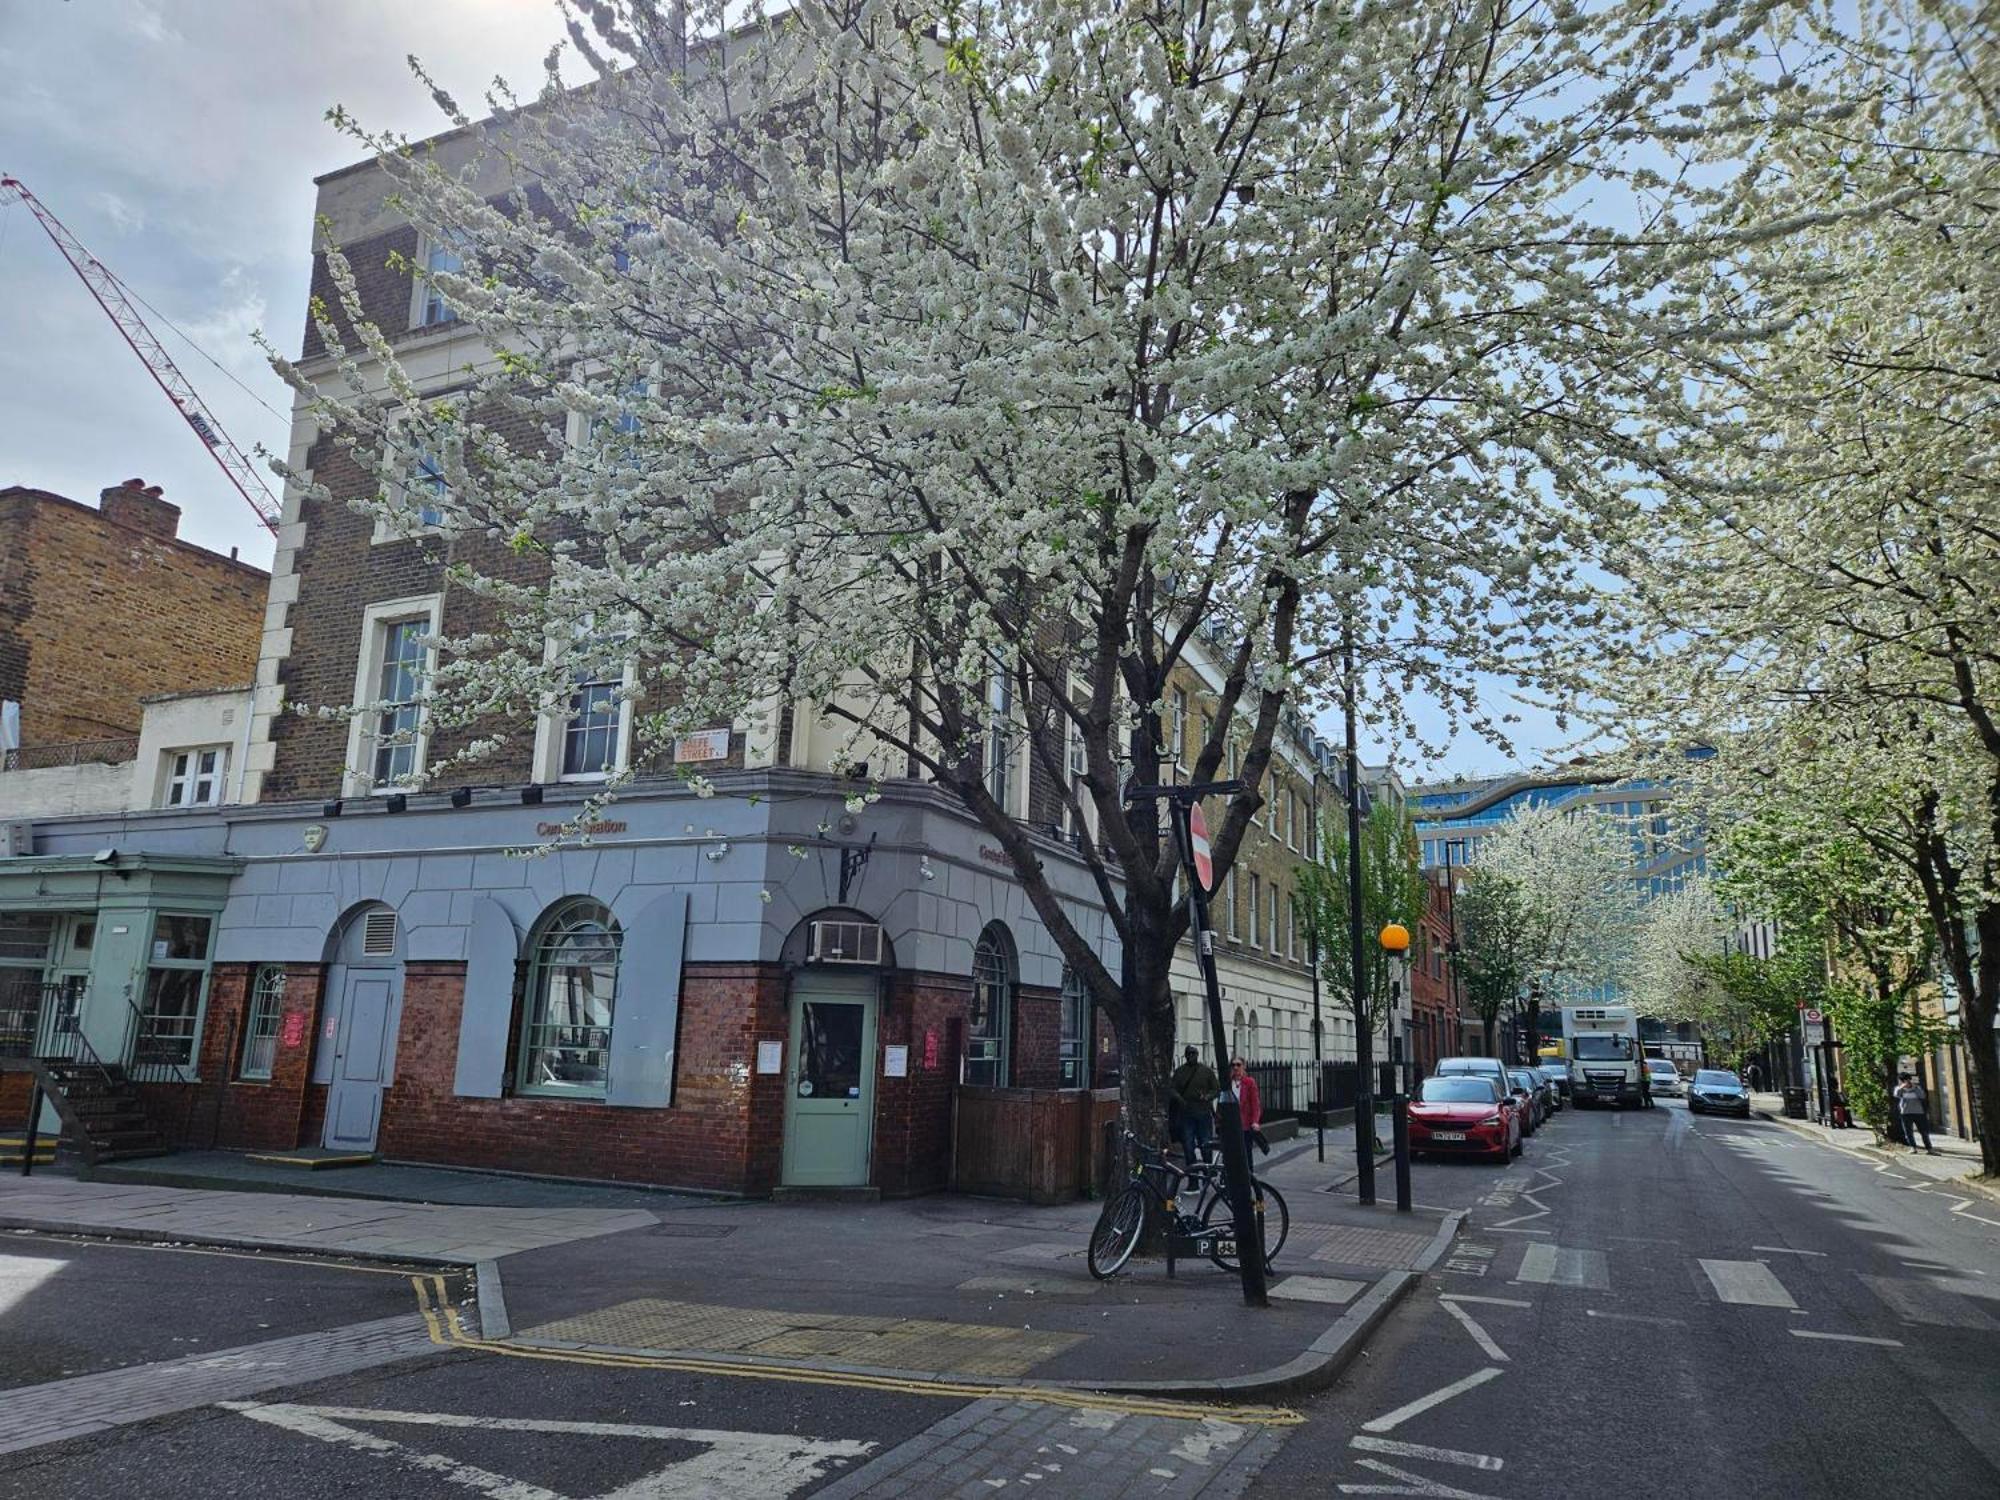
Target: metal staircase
{"type": "Point", "coordinates": [103, 1113]}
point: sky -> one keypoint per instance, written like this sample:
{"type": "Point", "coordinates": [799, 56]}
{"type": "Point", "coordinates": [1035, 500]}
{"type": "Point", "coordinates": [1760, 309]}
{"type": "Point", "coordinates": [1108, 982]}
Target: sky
{"type": "Point", "coordinates": [178, 140]}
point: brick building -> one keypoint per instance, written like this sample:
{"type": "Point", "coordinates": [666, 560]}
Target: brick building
{"type": "Point", "coordinates": [100, 608]}
{"type": "Point", "coordinates": [1435, 1031]}
{"type": "Point", "coordinates": [763, 988]}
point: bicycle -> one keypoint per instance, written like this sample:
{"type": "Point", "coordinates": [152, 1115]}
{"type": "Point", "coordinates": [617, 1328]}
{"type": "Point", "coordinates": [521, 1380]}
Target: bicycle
{"type": "Point", "coordinates": [1210, 1229]}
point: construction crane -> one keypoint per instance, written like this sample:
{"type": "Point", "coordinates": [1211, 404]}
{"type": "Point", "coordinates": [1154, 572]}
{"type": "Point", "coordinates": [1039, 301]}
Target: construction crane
{"type": "Point", "coordinates": [117, 305]}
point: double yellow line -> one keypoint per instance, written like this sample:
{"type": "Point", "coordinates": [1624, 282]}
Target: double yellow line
{"type": "Point", "coordinates": [447, 1328]}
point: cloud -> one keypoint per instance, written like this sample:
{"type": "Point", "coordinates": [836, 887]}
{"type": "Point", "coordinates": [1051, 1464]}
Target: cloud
{"type": "Point", "coordinates": [150, 24]}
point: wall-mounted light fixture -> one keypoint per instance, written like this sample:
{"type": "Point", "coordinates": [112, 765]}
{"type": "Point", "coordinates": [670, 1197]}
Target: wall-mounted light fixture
{"type": "Point", "coordinates": [924, 867]}
{"type": "Point", "coordinates": [395, 802]}
{"type": "Point", "coordinates": [531, 795]}
{"type": "Point", "coordinates": [718, 851]}
{"type": "Point", "coordinates": [330, 809]}
{"type": "Point", "coordinates": [461, 796]}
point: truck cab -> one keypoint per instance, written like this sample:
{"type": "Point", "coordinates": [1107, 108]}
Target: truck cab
{"type": "Point", "coordinates": [1606, 1062]}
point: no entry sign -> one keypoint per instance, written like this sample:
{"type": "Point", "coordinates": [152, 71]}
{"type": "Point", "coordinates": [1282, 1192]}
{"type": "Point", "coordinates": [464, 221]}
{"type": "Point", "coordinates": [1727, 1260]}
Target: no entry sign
{"type": "Point", "coordinates": [1204, 866]}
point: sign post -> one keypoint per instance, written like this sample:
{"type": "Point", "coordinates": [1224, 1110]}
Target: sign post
{"type": "Point", "coordinates": [1191, 834]}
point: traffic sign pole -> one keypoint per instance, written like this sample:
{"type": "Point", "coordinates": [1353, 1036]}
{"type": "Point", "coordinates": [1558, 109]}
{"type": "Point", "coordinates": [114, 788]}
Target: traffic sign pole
{"type": "Point", "coordinates": [1246, 1209]}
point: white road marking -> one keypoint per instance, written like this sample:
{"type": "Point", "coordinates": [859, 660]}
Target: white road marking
{"type": "Point", "coordinates": [1917, 1301]}
{"type": "Point", "coordinates": [1592, 1312]}
{"type": "Point", "coordinates": [1746, 1283]}
{"type": "Point", "coordinates": [1389, 1421]}
{"type": "Point", "coordinates": [1479, 1335]}
{"type": "Point", "coordinates": [1498, 1230]}
{"type": "Point", "coordinates": [1843, 1338]}
{"type": "Point", "coordinates": [1488, 1301]}
{"type": "Point", "coordinates": [1923, 1265]}
{"type": "Point", "coordinates": [1552, 1265]}
{"type": "Point", "coordinates": [735, 1465]}
{"type": "Point", "coordinates": [1787, 1250]}
{"type": "Point", "coordinates": [1433, 1455]}
{"type": "Point", "coordinates": [1959, 1207]}
{"type": "Point", "coordinates": [1414, 1484]}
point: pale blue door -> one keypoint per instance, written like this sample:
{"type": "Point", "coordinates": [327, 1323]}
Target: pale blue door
{"type": "Point", "coordinates": [830, 1098]}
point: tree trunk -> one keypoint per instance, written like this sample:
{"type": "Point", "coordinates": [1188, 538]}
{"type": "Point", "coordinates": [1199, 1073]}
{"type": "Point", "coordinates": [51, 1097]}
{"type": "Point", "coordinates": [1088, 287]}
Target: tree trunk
{"type": "Point", "coordinates": [1983, 1068]}
{"type": "Point", "coordinates": [1486, 1028]}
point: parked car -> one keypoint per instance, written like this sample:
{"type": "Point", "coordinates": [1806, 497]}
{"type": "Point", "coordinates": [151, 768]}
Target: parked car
{"type": "Point", "coordinates": [1718, 1091]}
{"type": "Point", "coordinates": [1478, 1067]}
{"type": "Point", "coordinates": [1464, 1112]}
{"type": "Point", "coordinates": [1540, 1094]}
{"type": "Point", "coordinates": [1664, 1078]}
{"type": "Point", "coordinates": [1558, 1077]}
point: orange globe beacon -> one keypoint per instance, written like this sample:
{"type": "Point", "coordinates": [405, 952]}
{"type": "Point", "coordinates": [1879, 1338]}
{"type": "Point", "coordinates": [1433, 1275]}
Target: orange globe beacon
{"type": "Point", "coordinates": [1395, 938]}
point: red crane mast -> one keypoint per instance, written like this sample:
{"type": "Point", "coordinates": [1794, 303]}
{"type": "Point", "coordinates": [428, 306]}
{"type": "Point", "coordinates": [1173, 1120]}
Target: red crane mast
{"type": "Point", "coordinates": [111, 296]}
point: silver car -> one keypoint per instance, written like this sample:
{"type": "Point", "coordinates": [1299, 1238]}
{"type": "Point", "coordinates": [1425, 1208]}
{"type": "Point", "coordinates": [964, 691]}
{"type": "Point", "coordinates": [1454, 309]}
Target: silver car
{"type": "Point", "coordinates": [1664, 1078]}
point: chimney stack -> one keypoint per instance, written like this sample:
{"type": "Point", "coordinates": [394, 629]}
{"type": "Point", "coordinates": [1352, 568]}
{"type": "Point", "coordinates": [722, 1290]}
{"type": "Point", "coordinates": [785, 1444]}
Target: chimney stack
{"type": "Point", "coordinates": [140, 506]}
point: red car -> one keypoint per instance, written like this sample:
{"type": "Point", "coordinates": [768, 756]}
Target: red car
{"type": "Point", "coordinates": [1464, 1113]}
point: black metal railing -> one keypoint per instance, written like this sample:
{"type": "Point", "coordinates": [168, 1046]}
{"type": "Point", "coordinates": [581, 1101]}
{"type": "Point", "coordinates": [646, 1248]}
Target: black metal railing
{"type": "Point", "coordinates": [1300, 1088]}
{"type": "Point", "coordinates": [107, 752]}
{"type": "Point", "coordinates": [22, 1005]}
{"type": "Point", "coordinates": [159, 1046]}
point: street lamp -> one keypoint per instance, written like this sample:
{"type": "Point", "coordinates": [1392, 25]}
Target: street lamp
{"type": "Point", "coordinates": [1395, 940]}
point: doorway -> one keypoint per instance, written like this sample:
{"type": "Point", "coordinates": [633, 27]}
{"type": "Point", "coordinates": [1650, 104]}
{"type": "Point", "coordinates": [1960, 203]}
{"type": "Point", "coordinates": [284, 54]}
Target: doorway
{"type": "Point", "coordinates": [366, 986]}
{"type": "Point", "coordinates": [830, 1094]}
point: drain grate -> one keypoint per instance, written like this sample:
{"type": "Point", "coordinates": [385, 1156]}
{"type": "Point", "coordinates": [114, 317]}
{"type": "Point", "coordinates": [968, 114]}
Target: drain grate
{"type": "Point", "coordinates": [695, 1231]}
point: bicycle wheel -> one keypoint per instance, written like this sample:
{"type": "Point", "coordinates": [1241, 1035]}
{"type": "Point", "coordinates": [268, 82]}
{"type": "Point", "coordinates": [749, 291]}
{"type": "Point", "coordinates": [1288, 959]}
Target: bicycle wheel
{"type": "Point", "coordinates": [1117, 1233]}
{"type": "Point", "coordinates": [1277, 1222]}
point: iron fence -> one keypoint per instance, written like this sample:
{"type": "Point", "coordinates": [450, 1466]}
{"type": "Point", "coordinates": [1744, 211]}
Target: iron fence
{"type": "Point", "coordinates": [108, 752]}
{"type": "Point", "coordinates": [1301, 1088]}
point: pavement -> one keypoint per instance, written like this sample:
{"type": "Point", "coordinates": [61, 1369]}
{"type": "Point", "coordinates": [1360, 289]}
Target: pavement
{"type": "Point", "coordinates": [983, 1292]}
{"type": "Point", "coordinates": [1956, 1160]}
{"type": "Point", "coordinates": [1733, 1304]}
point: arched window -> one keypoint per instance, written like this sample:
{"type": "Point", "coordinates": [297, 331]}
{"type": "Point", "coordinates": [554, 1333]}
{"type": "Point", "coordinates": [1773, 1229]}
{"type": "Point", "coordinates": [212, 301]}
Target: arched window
{"type": "Point", "coordinates": [1236, 1032]}
{"type": "Point", "coordinates": [991, 1021]}
{"type": "Point", "coordinates": [1256, 1048]}
{"type": "Point", "coordinates": [565, 1046]}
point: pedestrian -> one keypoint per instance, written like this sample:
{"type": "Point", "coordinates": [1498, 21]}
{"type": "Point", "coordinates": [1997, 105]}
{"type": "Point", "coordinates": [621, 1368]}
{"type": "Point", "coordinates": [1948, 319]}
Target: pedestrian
{"type": "Point", "coordinates": [1194, 1089]}
{"type": "Point", "coordinates": [1250, 1102]}
{"type": "Point", "coordinates": [1756, 1079]}
{"type": "Point", "coordinates": [1913, 1112]}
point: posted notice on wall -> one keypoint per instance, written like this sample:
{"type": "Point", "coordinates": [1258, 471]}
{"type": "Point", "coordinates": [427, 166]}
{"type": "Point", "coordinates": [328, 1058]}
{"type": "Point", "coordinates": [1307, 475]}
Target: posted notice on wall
{"type": "Point", "coordinates": [895, 1062]}
{"type": "Point", "coordinates": [770, 1057]}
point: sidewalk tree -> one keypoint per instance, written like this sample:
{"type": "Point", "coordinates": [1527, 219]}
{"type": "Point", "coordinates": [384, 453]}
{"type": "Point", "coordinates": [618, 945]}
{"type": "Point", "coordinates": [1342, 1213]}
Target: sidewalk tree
{"type": "Point", "coordinates": [1680, 931]}
{"type": "Point", "coordinates": [1832, 558]}
{"type": "Point", "coordinates": [1573, 872]}
{"type": "Point", "coordinates": [1392, 890]}
{"type": "Point", "coordinates": [956, 372]}
{"type": "Point", "coordinates": [1495, 944]}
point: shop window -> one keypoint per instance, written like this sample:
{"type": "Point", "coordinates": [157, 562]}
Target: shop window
{"type": "Point", "coordinates": [565, 1045]}
{"type": "Point", "coordinates": [260, 1030]}
{"type": "Point", "coordinates": [176, 981]}
{"type": "Point", "coordinates": [991, 1021]}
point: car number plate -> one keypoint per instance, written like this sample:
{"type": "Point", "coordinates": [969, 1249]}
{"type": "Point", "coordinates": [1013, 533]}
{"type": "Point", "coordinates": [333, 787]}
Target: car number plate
{"type": "Point", "coordinates": [1225, 1247]}
{"type": "Point", "coordinates": [1447, 1135]}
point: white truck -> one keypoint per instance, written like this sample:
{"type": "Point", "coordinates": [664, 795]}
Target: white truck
{"type": "Point", "coordinates": [1607, 1065]}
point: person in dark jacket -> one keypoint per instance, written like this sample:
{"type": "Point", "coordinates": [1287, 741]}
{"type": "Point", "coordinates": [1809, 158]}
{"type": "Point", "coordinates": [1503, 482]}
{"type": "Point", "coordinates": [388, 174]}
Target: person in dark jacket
{"type": "Point", "coordinates": [1194, 1088]}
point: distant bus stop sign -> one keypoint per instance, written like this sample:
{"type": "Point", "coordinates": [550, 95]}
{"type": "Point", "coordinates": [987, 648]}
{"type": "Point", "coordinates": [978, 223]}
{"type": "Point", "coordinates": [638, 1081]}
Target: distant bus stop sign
{"type": "Point", "coordinates": [1204, 866]}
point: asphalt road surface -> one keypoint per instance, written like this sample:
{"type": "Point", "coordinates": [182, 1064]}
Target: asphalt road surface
{"type": "Point", "coordinates": [1653, 1303]}
{"type": "Point", "coordinates": [1644, 1304]}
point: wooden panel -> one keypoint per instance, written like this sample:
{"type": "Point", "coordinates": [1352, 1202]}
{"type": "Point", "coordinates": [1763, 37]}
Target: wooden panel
{"type": "Point", "coordinates": [1044, 1145]}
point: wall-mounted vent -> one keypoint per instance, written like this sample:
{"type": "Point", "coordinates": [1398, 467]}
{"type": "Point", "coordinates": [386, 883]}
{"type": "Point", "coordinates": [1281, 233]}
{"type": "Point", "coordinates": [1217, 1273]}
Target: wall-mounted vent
{"type": "Point", "coordinates": [378, 934]}
{"type": "Point", "coordinates": [836, 942]}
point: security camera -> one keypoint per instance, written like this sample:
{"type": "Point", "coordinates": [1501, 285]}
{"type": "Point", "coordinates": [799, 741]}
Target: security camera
{"type": "Point", "coordinates": [105, 857]}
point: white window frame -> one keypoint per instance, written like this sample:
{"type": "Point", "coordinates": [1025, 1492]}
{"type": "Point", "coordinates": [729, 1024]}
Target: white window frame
{"type": "Point", "coordinates": [1256, 912]}
{"type": "Point", "coordinates": [375, 622]}
{"type": "Point", "coordinates": [422, 295]}
{"type": "Point", "coordinates": [404, 518]}
{"type": "Point", "coordinates": [1271, 899]}
{"type": "Point", "coordinates": [1229, 885]}
{"type": "Point", "coordinates": [552, 726]}
{"type": "Point", "coordinates": [1075, 758]}
{"type": "Point", "coordinates": [263, 1021]}
{"type": "Point", "coordinates": [180, 769]}
{"type": "Point", "coordinates": [1002, 755]}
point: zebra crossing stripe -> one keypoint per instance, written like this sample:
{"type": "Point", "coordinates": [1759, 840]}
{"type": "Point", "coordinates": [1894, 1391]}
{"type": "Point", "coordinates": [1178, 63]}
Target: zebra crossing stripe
{"type": "Point", "coordinates": [1746, 1283]}
{"type": "Point", "coordinates": [1554, 1265]}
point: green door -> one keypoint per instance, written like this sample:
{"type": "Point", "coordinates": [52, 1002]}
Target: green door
{"type": "Point", "coordinates": [830, 1094]}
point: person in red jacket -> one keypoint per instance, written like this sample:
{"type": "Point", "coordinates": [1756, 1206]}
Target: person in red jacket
{"type": "Point", "coordinates": [1247, 1098]}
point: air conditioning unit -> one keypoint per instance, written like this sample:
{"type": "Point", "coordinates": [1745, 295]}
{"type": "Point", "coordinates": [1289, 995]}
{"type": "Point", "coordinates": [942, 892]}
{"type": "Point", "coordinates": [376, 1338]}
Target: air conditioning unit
{"type": "Point", "coordinates": [831, 941]}
{"type": "Point", "coordinates": [17, 840]}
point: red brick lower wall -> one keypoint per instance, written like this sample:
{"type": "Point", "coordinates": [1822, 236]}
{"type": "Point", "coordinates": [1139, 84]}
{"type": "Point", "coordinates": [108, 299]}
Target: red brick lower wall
{"type": "Point", "coordinates": [1037, 1048]}
{"type": "Point", "coordinates": [722, 1132]}
{"type": "Point", "coordinates": [926, 1013]}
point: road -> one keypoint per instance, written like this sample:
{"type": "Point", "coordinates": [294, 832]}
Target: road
{"type": "Point", "coordinates": [1655, 1303]}
{"type": "Point", "coordinates": [1643, 1304]}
